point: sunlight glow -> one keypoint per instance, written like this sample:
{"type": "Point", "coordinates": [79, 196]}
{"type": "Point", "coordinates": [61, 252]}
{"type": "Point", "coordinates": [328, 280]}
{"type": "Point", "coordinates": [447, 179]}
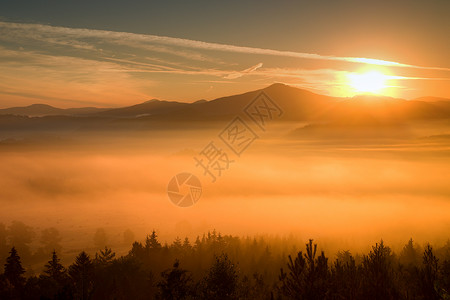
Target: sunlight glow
{"type": "Point", "coordinates": [370, 82]}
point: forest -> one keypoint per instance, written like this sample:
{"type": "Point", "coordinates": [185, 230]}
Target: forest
{"type": "Point", "coordinates": [216, 266]}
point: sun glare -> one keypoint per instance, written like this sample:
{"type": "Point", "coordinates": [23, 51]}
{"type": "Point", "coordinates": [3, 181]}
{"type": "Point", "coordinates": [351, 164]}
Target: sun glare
{"type": "Point", "coordinates": [370, 82]}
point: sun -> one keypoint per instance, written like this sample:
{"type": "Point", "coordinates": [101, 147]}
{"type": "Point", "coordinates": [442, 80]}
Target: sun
{"type": "Point", "coordinates": [369, 82]}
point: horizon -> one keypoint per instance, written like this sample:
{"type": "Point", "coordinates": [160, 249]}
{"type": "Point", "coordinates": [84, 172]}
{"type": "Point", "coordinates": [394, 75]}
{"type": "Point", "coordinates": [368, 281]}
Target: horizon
{"type": "Point", "coordinates": [373, 95]}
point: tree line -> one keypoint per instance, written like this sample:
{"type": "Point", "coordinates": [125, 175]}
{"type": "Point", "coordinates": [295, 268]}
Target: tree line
{"type": "Point", "coordinates": [216, 266]}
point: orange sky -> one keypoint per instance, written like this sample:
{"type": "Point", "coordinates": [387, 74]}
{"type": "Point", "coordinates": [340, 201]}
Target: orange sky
{"type": "Point", "coordinates": [69, 58]}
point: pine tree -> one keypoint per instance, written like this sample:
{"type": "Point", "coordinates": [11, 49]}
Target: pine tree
{"type": "Point", "coordinates": [378, 274]}
{"type": "Point", "coordinates": [292, 283]}
{"type": "Point", "coordinates": [222, 279]}
{"type": "Point", "coordinates": [81, 273]}
{"type": "Point", "coordinates": [175, 283]}
{"type": "Point", "coordinates": [105, 257]}
{"type": "Point", "coordinates": [308, 276]}
{"type": "Point", "coordinates": [151, 242]}
{"type": "Point", "coordinates": [409, 256]}
{"type": "Point", "coordinates": [54, 269]}
{"type": "Point", "coordinates": [186, 245]}
{"type": "Point", "coordinates": [14, 270]}
{"type": "Point", "coordinates": [176, 245]}
{"type": "Point", "coordinates": [429, 274]}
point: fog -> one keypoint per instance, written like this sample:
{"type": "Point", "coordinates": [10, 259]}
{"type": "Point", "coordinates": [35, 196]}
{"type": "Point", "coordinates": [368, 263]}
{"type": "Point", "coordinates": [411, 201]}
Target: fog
{"type": "Point", "coordinates": [344, 192]}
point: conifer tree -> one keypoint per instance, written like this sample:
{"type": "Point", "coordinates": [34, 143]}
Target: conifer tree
{"type": "Point", "coordinates": [54, 269]}
{"type": "Point", "coordinates": [14, 270]}
{"type": "Point", "coordinates": [81, 273]}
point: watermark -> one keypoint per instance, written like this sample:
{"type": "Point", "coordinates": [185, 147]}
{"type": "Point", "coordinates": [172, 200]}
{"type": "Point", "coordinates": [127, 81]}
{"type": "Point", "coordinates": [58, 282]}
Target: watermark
{"type": "Point", "coordinates": [185, 189]}
{"type": "Point", "coordinates": [238, 136]}
{"type": "Point", "coordinates": [262, 110]}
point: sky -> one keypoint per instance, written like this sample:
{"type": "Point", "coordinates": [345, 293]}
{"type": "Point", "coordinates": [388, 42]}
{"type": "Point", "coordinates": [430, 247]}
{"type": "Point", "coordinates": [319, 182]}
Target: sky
{"type": "Point", "coordinates": [117, 53]}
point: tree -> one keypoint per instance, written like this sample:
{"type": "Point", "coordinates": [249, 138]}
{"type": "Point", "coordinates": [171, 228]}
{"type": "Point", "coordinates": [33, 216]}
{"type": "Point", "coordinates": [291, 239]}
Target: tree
{"type": "Point", "coordinates": [378, 274]}
{"type": "Point", "coordinates": [308, 276]}
{"type": "Point", "coordinates": [410, 255]}
{"type": "Point", "coordinates": [54, 269]}
{"type": "Point", "coordinates": [344, 277]}
{"type": "Point", "coordinates": [292, 283]}
{"type": "Point", "coordinates": [175, 284]}
{"type": "Point", "coordinates": [81, 273]}
{"type": "Point", "coordinates": [137, 251]}
{"type": "Point", "coordinates": [105, 257]}
{"type": "Point", "coordinates": [186, 245]}
{"type": "Point", "coordinates": [176, 245]}
{"type": "Point", "coordinates": [14, 270]}
{"type": "Point", "coordinates": [446, 277]}
{"type": "Point", "coordinates": [151, 242]}
{"type": "Point", "coordinates": [221, 281]}
{"type": "Point", "coordinates": [429, 274]}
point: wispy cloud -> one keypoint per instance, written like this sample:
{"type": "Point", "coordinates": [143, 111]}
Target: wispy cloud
{"type": "Point", "coordinates": [93, 66]}
{"type": "Point", "coordinates": [235, 75]}
{"type": "Point", "coordinates": [62, 35]}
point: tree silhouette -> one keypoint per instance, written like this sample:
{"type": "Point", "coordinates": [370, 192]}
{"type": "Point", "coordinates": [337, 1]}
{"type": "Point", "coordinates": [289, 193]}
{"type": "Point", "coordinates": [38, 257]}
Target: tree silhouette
{"type": "Point", "coordinates": [186, 245]}
{"type": "Point", "coordinates": [105, 257]}
{"type": "Point", "coordinates": [344, 277]}
{"type": "Point", "coordinates": [54, 269]}
{"type": "Point", "coordinates": [445, 270]}
{"type": "Point", "coordinates": [429, 274]}
{"type": "Point", "coordinates": [410, 254]}
{"type": "Point", "coordinates": [14, 270]}
{"type": "Point", "coordinates": [221, 282]}
{"type": "Point", "coordinates": [151, 242]}
{"type": "Point", "coordinates": [175, 283]}
{"type": "Point", "coordinates": [176, 245]}
{"type": "Point", "coordinates": [137, 251]}
{"type": "Point", "coordinates": [308, 276]}
{"type": "Point", "coordinates": [81, 273]}
{"type": "Point", "coordinates": [293, 283]}
{"type": "Point", "coordinates": [379, 273]}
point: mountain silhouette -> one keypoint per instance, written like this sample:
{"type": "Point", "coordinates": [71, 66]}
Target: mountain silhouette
{"type": "Point", "coordinates": [39, 110]}
{"type": "Point", "coordinates": [298, 105]}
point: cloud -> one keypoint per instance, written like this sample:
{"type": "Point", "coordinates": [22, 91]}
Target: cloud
{"type": "Point", "coordinates": [89, 66]}
{"type": "Point", "coordinates": [243, 72]}
{"type": "Point", "coordinates": [62, 35]}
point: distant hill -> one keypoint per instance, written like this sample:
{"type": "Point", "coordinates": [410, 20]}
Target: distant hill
{"type": "Point", "coordinates": [151, 107]}
{"type": "Point", "coordinates": [39, 110]}
{"type": "Point", "coordinates": [297, 104]}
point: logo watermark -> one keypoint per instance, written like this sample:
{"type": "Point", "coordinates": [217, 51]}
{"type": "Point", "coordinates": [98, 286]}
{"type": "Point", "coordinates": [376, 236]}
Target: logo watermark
{"type": "Point", "coordinates": [184, 189]}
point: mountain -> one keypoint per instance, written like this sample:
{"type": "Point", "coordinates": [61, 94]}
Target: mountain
{"type": "Point", "coordinates": [39, 110]}
{"type": "Point", "coordinates": [297, 105]}
{"type": "Point", "coordinates": [151, 107]}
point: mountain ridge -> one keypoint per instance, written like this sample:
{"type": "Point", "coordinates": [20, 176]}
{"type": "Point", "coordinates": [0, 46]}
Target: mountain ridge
{"type": "Point", "coordinates": [157, 106]}
{"type": "Point", "coordinates": [298, 105]}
